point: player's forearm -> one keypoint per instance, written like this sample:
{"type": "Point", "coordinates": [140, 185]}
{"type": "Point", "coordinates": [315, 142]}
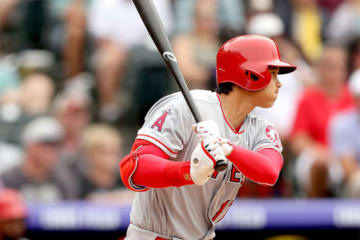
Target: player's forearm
{"type": "Point", "coordinates": [262, 167]}
{"type": "Point", "coordinates": [147, 166]}
{"type": "Point", "coordinates": [156, 172]}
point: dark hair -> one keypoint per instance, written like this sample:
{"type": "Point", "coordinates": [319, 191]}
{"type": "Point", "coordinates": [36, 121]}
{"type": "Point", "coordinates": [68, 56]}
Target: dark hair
{"type": "Point", "coordinates": [224, 88]}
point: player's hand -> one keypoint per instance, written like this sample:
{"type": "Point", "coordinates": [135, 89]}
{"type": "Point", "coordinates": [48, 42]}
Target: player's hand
{"type": "Point", "coordinates": [206, 129]}
{"type": "Point", "coordinates": [209, 131]}
{"type": "Point", "coordinates": [226, 146]}
{"type": "Point", "coordinates": [204, 159]}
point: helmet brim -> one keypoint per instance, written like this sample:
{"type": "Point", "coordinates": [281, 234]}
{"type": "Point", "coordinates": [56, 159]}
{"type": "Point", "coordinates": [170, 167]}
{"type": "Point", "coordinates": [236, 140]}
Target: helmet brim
{"type": "Point", "coordinates": [284, 67]}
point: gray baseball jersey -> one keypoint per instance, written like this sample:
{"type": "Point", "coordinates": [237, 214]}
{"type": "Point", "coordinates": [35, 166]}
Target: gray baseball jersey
{"type": "Point", "coordinates": [191, 212]}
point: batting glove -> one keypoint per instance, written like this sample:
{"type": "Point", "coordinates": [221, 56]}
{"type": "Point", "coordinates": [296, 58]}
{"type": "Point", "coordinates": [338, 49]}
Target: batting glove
{"type": "Point", "coordinates": [210, 130]}
{"type": "Point", "coordinates": [204, 159]}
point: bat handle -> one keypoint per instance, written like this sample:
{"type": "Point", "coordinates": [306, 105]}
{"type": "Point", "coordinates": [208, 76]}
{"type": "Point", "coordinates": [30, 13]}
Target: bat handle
{"type": "Point", "coordinates": [221, 165]}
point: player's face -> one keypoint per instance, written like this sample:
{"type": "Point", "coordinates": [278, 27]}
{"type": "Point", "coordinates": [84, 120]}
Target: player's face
{"type": "Point", "coordinates": [266, 97]}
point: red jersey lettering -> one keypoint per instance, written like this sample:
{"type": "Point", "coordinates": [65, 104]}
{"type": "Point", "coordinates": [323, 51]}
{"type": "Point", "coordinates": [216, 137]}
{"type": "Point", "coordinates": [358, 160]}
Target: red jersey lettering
{"type": "Point", "coordinates": [214, 175]}
{"type": "Point", "coordinates": [235, 175]}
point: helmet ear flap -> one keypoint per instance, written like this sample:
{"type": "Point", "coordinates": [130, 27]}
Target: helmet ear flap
{"type": "Point", "coordinates": [255, 79]}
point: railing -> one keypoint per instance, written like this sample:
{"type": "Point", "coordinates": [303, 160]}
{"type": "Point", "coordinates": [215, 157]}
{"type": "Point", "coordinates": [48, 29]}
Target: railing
{"type": "Point", "coordinates": [249, 214]}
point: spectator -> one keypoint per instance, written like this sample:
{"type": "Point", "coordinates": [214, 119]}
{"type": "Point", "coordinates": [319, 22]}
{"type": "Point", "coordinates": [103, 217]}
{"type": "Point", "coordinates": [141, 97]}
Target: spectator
{"type": "Point", "coordinates": [309, 138]}
{"type": "Point", "coordinates": [114, 37]}
{"type": "Point", "coordinates": [20, 105]}
{"type": "Point", "coordinates": [343, 26]}
{"type": "Point", "coordinates": [345, 140]}
{"type": "Point", "coordinates": [38, 178]}
{"type": "Point", "coordinates": [231, 14]}
{"type": "Point", "coordinates": [196, 51]}
{"type": "Point", "coordinates": [12, 215]}
{"type": "Point", "coordinates": [37, 94]}
{"type": "Point", "coordinates": [306, 23]}
{"type": "Point", "coordinates": [72, 110]}
{"type": "Point", "coordinates": [102, 150]}
{"type": "Point", "coordinates": [74, 20]}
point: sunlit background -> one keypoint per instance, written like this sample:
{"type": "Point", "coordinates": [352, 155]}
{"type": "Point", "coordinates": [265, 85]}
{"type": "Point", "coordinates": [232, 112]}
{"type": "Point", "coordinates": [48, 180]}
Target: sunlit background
{"type": "Point", "coordinates": [78, 76]}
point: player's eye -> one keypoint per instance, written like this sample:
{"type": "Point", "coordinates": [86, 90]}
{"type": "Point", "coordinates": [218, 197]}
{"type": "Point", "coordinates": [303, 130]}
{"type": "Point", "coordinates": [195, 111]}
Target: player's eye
{"type": "Point", "coordinates": [274, 71]}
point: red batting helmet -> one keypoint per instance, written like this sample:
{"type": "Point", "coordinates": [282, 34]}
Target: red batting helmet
{"type": "Point", "coordinates": [245, 61]}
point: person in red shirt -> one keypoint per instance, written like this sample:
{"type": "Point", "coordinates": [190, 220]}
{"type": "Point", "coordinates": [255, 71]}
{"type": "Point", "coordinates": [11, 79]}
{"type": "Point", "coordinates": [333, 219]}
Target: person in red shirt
{"type": "Point", "coordinates": [309, 137]}
{"type": "Point", "coordinates": [13, 213]}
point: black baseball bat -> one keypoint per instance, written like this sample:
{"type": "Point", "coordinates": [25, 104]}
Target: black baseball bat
{"type": "Point", "coordinates": [153, 24]}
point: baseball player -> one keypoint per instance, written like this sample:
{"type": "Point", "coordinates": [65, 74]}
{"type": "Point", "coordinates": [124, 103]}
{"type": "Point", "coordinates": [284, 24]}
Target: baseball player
{"type": "Point", "coordinates": [171, 164]}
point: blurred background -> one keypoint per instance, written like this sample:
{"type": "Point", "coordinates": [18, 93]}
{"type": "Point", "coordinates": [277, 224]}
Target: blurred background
{"type": "Point", "coordinates": [78, 76]}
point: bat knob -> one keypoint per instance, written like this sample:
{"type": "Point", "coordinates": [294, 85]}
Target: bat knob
{"type": "Point", "coordinates": [221, 165]}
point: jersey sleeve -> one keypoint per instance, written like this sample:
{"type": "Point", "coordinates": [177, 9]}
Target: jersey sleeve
{"type": "Point", "coordinates": [266, 136]}
{"type": "Point", "coordinates": [168, 124]}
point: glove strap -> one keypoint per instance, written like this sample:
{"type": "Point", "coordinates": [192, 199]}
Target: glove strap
{"type": "Point", "coordinates": [207, 153]}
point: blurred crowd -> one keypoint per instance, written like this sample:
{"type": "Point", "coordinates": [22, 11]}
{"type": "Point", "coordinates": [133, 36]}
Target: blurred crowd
{"type": "Point", "coordinates": [78, 76]}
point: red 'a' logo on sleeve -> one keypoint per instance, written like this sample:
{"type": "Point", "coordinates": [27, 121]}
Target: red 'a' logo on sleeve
{"type": "Point", "coordinates": [273, 136]}
{"type": "Point", "coordinates": [160, 121]}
